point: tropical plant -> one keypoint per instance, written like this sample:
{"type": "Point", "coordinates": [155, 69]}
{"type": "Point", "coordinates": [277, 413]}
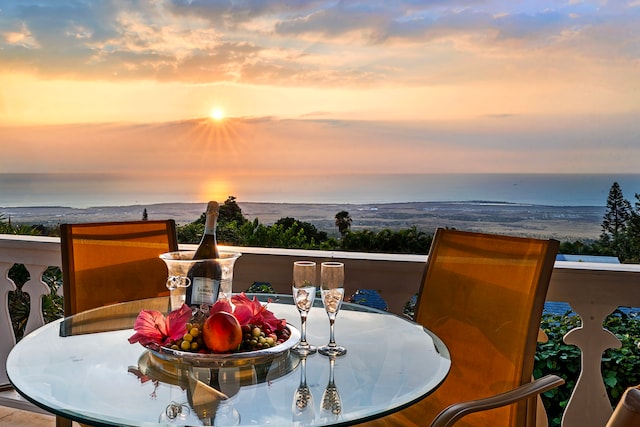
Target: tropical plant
{"type": "Point", "coordinates": [52, 303]}
{"type": "Point", "coordinates": [20, 302]}
{"type": "Point", "coordinates": [6, 227]}
{"type": "Point", "coordinates": [633, 232]}
{"type": "Point", "coordinates": [364, 241]}
{"type": "Point", "coordinates": [276, 236]}
{"type": "Point", "coordinates": [260, 288]}
{"type": "Point", "coordinates": [310, 230]}
{"type": "Point", "coordinates": [343, 222]}
{"type": "Point", "coordinates": [411, 241]}
{"type": "Point", "coordinates": [190, 233]}
{"type": "Point", "coordinates": [230, 211]}
{"type": "Point", "coordinates": [619, 366]}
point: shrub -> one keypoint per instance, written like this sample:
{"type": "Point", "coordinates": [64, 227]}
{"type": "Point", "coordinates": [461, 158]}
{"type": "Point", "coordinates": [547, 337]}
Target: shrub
{"type": "Point", "coordinates": [19, 301]}
{"type": "Point", "coordinates": [619, 366]}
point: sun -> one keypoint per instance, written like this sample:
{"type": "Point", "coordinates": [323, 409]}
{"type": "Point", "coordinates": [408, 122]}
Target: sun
{"type": "Point", "coordinates": [217, 114]}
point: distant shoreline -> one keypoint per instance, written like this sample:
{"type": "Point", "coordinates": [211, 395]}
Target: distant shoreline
{"type": "Point", "coordinates": [565, 223]}
{"type": "Point", "coordinates": [84, 190]}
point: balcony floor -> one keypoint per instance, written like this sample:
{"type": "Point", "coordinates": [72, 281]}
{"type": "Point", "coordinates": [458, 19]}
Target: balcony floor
{"type": "Point", "coordinates": [18, 418]}
{"type": "Point", "coordinates": [10, 417]}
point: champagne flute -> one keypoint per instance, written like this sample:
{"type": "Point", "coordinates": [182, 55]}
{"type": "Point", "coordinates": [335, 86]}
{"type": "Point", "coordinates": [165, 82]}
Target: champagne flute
{"type": "Point", "coordinates": [304, 292]}
{"type": "Point", "coordinates": [332, 290]}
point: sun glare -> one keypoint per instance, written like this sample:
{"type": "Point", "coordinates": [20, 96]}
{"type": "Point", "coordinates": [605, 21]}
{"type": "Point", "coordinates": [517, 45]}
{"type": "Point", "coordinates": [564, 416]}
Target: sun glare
{"type": "Point", "coordinates": [217, 114]}
{"type": "Point", "coordinates": [216, 190]}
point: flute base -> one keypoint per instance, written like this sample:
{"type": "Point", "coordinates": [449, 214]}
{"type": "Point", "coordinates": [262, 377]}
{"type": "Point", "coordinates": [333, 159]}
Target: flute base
{"type": "Point", "coordinates": [332, 350]}
{"type": "Point", "coordinates": [303, 349]}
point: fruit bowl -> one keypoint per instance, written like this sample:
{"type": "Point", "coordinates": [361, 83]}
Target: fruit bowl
{"type": "Point", "coordinates": [219, 360]}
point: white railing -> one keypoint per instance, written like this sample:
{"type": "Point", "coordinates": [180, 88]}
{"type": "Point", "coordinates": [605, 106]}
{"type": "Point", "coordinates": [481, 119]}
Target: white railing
{"type": "Point", "coordinates": [592, 290]}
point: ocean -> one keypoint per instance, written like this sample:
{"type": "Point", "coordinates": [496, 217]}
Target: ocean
{"type": "Point", "coordinates": [94, 190]}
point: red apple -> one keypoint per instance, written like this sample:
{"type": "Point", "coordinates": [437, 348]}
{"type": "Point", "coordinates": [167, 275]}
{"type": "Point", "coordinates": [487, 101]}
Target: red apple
{"type": "Point", "coordinates": [222, 332]}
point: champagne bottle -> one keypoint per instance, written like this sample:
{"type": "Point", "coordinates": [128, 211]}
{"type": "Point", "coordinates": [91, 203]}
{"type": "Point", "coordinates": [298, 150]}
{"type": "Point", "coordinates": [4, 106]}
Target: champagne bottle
{"type": "Point", "coordinates": [205, 276]}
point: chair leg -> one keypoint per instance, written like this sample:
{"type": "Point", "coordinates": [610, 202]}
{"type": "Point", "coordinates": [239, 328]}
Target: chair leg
{"type": "Point", "coordinates": [62, 422]}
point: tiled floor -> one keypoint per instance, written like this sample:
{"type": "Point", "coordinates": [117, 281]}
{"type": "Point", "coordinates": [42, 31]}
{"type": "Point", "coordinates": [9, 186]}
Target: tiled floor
{"type": "Point", "coordinates": [10, 417]}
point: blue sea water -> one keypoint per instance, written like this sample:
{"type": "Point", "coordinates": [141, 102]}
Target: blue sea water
{"type": "Point", "coordinates": [91, 190]}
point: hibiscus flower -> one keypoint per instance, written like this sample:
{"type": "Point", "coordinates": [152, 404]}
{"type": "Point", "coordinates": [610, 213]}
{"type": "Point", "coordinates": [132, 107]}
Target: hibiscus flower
{"type": "Point", "coordinates": [252, 312]}
{"type": "Point", "coordinates": [221, 305]}
{"type": "Point", "coordinates": [153, 328]}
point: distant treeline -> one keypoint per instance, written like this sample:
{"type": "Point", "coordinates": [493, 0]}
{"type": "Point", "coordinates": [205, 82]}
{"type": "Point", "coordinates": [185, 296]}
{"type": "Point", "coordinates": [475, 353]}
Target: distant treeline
{"type": "Point", "coordinates": [620, 235]}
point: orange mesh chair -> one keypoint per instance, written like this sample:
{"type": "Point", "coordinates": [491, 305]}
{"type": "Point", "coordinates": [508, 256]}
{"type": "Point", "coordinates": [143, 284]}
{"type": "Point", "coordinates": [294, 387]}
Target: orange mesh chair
{"type": "Point", "coordinates": [111, 262]}
{"type": "Point", "coordinates": [483, 295]}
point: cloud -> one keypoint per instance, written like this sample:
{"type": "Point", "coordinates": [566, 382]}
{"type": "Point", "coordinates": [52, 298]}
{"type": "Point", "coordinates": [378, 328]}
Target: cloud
{"type": "Point", "coordinates": [21, 37]}
{"type": "Point", "coordinates": [315, 43]}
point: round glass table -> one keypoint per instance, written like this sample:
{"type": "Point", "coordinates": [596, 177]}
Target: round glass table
{"type": "Point", "coordinates": [95, 376]}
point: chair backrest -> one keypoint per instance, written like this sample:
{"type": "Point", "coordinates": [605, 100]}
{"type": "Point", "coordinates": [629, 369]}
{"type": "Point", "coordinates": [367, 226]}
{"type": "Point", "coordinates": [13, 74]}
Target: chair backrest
{"type": "Point", "coordinates": [111, 262]}
{"type": "Point", "coordinates": [483, 295]}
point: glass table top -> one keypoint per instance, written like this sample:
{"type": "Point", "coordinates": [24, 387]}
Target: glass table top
{"type": "Point", "coordinates": [101, 379]}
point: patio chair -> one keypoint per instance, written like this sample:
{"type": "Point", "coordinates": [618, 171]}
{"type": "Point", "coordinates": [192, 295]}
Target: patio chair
{"type": "Point", "coordinates": [483, 295]}
{"type": "Point", "coordinates": [370, 298]}
{"type": "Point", "coordinates": [627, 412]}
{"type": "Point", "coordinates": [112, 262]}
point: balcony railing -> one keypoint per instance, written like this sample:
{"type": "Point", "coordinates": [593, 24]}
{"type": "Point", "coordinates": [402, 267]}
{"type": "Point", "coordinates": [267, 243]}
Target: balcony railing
{"type": "Point", "coordinates": [593, 291]}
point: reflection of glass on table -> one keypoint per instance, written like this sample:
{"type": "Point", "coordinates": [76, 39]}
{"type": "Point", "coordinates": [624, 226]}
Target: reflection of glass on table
{"type": "Point", "coordinates": [302, 408]}
{"type": "Point", "coordinates": [331, 406]}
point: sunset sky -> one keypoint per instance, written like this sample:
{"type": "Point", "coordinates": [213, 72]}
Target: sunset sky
{"type": "Point", "coordinates": [417, 86]}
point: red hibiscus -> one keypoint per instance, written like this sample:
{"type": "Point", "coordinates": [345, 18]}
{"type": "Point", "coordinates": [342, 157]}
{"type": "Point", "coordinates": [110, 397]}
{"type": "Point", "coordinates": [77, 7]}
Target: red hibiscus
{"type": "Point", "coordinates": [249, 311]}
{"type": "Point", "coordinates": [153, 328]}
{"type": "Point", "coordinates": [221, 305]}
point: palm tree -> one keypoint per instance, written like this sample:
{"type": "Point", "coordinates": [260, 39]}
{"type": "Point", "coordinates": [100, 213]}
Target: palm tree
{"type": "Point", "coordinates": [343, 222]}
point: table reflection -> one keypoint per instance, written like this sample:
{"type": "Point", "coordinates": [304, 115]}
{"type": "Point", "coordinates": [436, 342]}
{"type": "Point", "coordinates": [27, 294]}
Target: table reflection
{"type": "Point", "coordinates": [331, 404]}
{"type": "Point", "coordinates": [302, 409]}
{"type": "Point", "coordinates": [207, 388]}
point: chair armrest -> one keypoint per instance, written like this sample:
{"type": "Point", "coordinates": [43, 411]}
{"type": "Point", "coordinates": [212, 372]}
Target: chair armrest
{"type": "Point", "coordinates": [453, 413]}
{"type": "Point", "coordinates": [627, 412]}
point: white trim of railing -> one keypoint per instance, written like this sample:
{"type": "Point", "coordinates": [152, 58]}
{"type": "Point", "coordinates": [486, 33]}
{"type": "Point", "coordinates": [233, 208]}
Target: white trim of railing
{"type": "Point", "coordinates": [593, 290]}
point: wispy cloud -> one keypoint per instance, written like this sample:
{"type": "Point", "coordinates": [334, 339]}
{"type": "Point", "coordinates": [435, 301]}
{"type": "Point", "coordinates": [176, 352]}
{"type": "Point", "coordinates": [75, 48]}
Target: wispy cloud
{"type": "Point", "coordinates": [311, 43]}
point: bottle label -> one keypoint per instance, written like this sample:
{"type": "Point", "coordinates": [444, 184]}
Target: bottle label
{"type": "Point", "coordinates": [204, 290]}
